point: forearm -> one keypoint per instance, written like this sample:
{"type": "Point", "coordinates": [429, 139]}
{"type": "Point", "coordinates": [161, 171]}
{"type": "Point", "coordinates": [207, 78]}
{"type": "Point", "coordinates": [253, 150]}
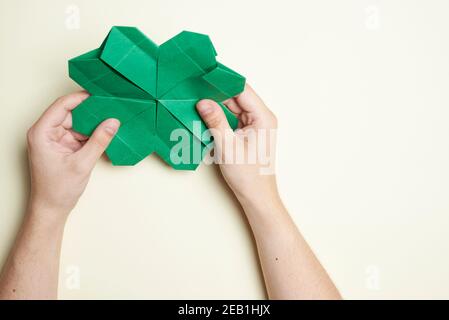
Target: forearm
{"type": "Point", "coordinates": [291, 270]}
{"type": "Point", "coordinates": [32, 268]}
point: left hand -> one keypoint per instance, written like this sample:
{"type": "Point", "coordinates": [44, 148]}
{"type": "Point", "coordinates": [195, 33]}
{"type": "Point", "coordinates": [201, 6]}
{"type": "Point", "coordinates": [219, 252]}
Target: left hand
{"type": "Point", "coordinates": [61, 160]}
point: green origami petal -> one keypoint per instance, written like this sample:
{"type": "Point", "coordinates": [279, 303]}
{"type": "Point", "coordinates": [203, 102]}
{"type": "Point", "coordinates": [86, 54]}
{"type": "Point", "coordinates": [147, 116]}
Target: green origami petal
{"type": "Point", "coordinates": [134, 140]}
{"type": "Point", "coordinates": [219, 84]}
{"type": "Point", "coordinates": [94, 110]}
{"type": "Point", "coordinates": [153, 92]}
{"type": "Point", "coordinates": [226, 82]}
{"type": "Point", "coordinates": [176, 143]}
{"type": "Point", "coordinates": [131, 53]}
{"type": "Point", "coordinates": [99, 79]}
{"type": "Point", "coordinates": [186, 55]}
{"type": "Point", "coordinates": [185, 112]}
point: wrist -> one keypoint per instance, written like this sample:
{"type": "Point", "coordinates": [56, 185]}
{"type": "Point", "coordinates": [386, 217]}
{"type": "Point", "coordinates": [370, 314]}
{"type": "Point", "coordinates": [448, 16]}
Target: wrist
{"type": "Point", "coordinates": [264, 213]}
{"type": "Point", "coordinates": [45, 214]}
{"type": "Point", "coordinates": [261, 203]}
{"type": "Point", "coordinates": [260, 190]}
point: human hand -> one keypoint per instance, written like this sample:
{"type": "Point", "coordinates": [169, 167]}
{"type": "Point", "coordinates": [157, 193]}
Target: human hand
{"type": "Point", "coordinates": [246, 155]}
{"type": "Point", "coordinates": [290, 269]}
{"type": "Point", "coordinates": [61, 160]}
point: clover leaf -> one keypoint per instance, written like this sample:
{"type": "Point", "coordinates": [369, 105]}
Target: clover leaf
{"type": "Point", "coordinates": [153, 91]}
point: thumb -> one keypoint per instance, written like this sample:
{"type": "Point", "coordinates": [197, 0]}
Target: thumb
{"type": "Point", "coordinates": [98, 142]}
{"type": "Point", "coordinates": [215, 120]}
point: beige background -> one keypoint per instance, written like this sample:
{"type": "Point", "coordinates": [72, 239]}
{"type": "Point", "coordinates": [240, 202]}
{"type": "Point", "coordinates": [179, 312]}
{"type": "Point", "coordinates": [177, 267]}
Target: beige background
{"type": "Point", "coordinates": [361, 92]}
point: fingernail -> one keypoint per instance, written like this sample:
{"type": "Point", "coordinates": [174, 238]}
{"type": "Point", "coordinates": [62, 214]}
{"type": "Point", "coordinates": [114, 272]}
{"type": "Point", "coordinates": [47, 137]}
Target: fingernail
{"type": "Point", "coordinates": [205, 107]}
{"type": "Point", "coordinates": [112, 126]}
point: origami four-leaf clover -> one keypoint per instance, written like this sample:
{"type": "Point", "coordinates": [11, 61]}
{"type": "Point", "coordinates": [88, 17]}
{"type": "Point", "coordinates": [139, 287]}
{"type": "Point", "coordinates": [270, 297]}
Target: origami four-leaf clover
{"type": "Point", "coordinates": [153, 91]}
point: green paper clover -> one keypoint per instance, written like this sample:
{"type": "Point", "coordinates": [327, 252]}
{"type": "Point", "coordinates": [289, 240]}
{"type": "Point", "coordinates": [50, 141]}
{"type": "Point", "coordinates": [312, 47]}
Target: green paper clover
{"type": "Point", "coordinates": [153, 91]}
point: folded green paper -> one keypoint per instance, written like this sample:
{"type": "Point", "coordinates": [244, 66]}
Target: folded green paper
{"type": "Point", "coordinates": [153, 91]}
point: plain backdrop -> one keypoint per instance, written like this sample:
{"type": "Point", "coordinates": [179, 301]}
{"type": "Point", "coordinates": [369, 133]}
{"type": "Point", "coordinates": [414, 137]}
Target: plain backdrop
{"type": "Point", "coordinates": [360, 89]}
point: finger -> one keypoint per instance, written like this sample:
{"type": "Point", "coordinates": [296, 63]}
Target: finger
{"type": "Point", "coordinates": [58, 111]}
{"type": "Point", "coordinates": [98, 142]}
{"type": "Point", "coordinates": [249, 101]}
{"type": "Point", "coordinates": [69, 141]}
{"type": "Point", "coordinates": [67, 122]}
{"type": "Point", "coordinates": [233, 106]}
{"type": "Point", "coordinates": [78, 136]}
{"type": "Point", "coordinates": [215, 119]}
{"type": "Point", "coordinates": [212, 114]}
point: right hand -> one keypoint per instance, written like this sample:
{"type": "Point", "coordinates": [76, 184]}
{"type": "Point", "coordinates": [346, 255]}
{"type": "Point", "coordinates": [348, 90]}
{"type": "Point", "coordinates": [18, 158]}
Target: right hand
{"type": "Point", "coordinates": [249, 180]}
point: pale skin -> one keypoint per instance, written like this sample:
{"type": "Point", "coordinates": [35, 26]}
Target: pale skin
{"type": "Point", "coordinates": [61, 161]}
